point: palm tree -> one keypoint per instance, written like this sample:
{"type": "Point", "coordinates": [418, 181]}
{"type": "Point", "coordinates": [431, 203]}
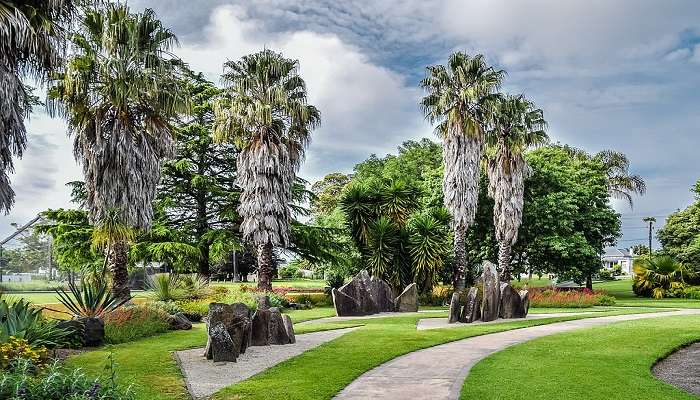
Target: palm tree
{"type": "Point", "coordinates": [264, 111]}
{"type": "Point", "coordinates": [621, 184]}
{"type": "Point", "coordinates": [516, 126]}
{"type": "Point", "coordinates": [655, 275]}
{"type": "Point", "coordinates": [458, 100]}
{"type": "Point", "coordinates": [31, 43]}
{"type": "Point", "coordinates": [119, 92]}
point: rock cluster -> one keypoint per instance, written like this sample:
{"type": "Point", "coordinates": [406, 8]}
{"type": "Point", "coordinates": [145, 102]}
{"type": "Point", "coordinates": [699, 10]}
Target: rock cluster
{"type": "Point", "coordinates": [496, 300]}
{"type": "Point", "coordinates": [365, 295]}
{"type": "Point", "coordinates": [233, 328]}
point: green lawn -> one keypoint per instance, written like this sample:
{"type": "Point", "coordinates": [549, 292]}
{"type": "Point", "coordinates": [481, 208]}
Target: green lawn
{"type": "Point", "coordinates": [611, 362]}
{"type": "Point", "coordinates": [622, 290]}
{"type": "Point", "coordinates": [317, 374]}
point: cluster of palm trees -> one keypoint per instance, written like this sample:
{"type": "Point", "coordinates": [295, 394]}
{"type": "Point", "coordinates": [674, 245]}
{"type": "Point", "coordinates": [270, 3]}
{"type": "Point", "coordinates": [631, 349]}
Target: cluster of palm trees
{"type": "Point", "coordinates": [478, 124]}
{"type": "Point", "coordinates": [121, 90]}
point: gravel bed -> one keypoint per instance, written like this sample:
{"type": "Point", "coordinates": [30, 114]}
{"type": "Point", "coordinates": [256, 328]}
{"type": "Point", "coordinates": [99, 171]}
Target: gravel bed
{"type": "Point", "coordinates": [681, 369]}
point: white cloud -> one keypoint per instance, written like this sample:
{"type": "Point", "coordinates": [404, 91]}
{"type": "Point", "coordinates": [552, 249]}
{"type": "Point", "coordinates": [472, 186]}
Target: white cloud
{"type": "Point", "coordinates": [365, 108]}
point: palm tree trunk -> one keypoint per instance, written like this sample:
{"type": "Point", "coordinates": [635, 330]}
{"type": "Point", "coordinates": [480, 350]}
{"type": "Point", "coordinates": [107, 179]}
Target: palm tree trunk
{"type": "Point", "coordinates": [460, 255]}
{"type": "Point", "coordinates": [504, 261]}
{"type": "Point", "coordinates": [120, 275]}
{"type": "Point", "coordinates": [265, 266]}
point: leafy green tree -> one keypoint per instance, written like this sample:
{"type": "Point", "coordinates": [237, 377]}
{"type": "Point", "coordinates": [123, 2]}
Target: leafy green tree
{"type": "Point", "coordinates": [327, 191]}
{"type": "Point", "coordinates": [120, 92]}
{"type": "Point", "coordinates": [517, 125]}
{"type": "Point", "coordinates": [32, 35]}
{"type": "Point", "coordinates": [458, 100]}
{"type": "Point", "coordinates": [680, 236]}
{"type": "Point", "coordinates": [197, 197]}
{"type": "Point", "coordinates": [265, 113]}
{"type": "Point", "coordinates": [567, 218]}
{"type": "Point", "coordinates": [32, 253]}
{"type": "Point", "coordinates": [72, 234]}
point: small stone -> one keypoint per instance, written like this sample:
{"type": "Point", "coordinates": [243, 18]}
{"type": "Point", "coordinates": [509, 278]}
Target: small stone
{"type": "Point", "coordinates": [510, 302]}
{"type": "Point", "coordinates": [472, 309]}
{"type": "Point", "coordinates": [222, 347]}
{"type": "Point", "coordinates": [179, 322]}
{"type": "Point", "coordinates": [492, 292]}
{"type": "Point", "coordinates": [454, 308]}
{"type": "Point", "coordinates": [408, 299]}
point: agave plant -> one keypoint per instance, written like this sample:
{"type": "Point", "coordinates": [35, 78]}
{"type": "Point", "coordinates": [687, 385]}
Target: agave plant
{"type": "Point", "coordinates": [165, 287]}
{"type": "Point", "coordinates": [22, 321]}
{"type": "Point", "coordinates": [90, 300]}
{"type": "Point", "coordinates": [656, 275]}
{"type": "Point", "coordinates": [194, 285]}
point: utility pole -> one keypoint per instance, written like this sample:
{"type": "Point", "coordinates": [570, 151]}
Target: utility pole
{"type": "Point", "coordinates": [651, 221]}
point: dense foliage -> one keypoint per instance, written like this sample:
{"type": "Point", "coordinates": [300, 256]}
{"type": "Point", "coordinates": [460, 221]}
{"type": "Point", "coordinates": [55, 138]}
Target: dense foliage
{"type": "Point", "coordinates": [133, 322]}
{"type": "Point", "coordinates": [680, 236]}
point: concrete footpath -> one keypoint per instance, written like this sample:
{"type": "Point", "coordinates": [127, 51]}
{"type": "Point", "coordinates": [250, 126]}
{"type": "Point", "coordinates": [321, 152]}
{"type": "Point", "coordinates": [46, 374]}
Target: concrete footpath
{"type": "Point", "coordinates": [438, 373]}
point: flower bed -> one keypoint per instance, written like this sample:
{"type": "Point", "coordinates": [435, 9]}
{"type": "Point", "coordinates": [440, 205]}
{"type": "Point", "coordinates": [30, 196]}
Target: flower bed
{"type": "Point", "coordinates": [134, 322]}
{"type": "Point", "coordinates": [555, 298]}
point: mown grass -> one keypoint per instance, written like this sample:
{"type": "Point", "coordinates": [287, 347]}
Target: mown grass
{"type": "Point", "coordinates": [294, 283]}
{"type": "Point", "coordinates": [610, 362]}
{"type": "Point", "coordinates": [622, 291]}
{"type": "Point", "coordinates": [324, 371]}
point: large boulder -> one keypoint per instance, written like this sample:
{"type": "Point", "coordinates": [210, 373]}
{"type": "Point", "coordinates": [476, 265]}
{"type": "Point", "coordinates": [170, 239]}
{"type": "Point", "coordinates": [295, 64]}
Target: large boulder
{"type": "Point", "coordinates": [289, 327]}
{"type": "Point", "coordinates": [221, 344]}
{"type": "Point", "coordinates": [269, 328]}
{"type": "Point", "coordinates": [492, 292]}
{"type": "Point", "coordinates": [510, 302]}
{"type": "Point", "coordinates": [472, 308]}
{"type": "Point", "coordinates": [407, 301]}
{"type": "Point", "coordinates": [454, 308]}
{"type": "Point", "coordinates": [236, 320]}
{"type": "Point", "coordinates": [363, 295]}
{"type": "Point", "coordinates": [524, 303]}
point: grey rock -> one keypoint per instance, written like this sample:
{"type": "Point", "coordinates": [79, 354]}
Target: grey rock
{"type": "Point", "coordinates": [260, 328]}
{"type": "Point", "coordinates": [222, 346]}
{"type": "Point", "coordinates": [235, 319]}
{"type": "Point", "coordinates": [363, 295]}
{"type": "Point", "coordinates": [289, 327]}
{"type": "Point", "coordinates": [277, 332]}
{"type": "Point", "coordinates": [454, 308]}
{"type": "Point", "coordinates": [510, 302]}
{"type": "Point", "coordinates": [472, 308]}
{"type": "Point", "coordinates": [407, 301]}
{"type": "Point", "coordinates": [492, 292]}
{"type": "Point", "coordinates": [524, 303]}
{"type": "Point", "coordinates": [179, 322]}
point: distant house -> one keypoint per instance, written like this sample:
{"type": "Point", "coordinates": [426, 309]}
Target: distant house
{"type": "Point", "coordinates": [621, 257]}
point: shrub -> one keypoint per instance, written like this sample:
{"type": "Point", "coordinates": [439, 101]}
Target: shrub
{"type": "Point", "coordinates": [312, 299]}
{"type": "Point", "coordinates": [16, 349]}
{"type": "Point", "coordinates": [550, 297]}
{"type": "Point", "coordinates": [439, 295]}
{"type": "Point", "coordinates": [289, 271]}
{"type": "Point", "coordinates": [130, 323]}
{"type": "Point", "coordinates": [692, 292]}
{"type": "Point", "coordinates": [335, 280]}
{"type": "Point", "coordinates": [165, 287]}
{"type": "Point", "coordinates": [21, 321]}
{"type": "Point", "coordinates": [89, 300]}
{"type": "Point", "coordinates": [606, 275]}
{"type": "Point", "coordinates": [56, 382]}
{"type": "Point", "coordinates": [168, 306]}
{"type": "Point", "coordinates": [194, 310]}
{"type": "Point", "coordinates": [195, 286]}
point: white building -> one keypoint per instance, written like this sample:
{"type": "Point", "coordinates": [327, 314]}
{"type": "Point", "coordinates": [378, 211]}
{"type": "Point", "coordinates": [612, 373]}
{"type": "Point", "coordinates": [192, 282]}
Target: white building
{"type": "Point", "coordinates": [621, 257]}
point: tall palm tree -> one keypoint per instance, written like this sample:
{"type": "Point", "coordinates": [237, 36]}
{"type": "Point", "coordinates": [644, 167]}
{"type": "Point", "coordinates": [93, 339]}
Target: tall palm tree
{"type": "Point", "coordinates": [621, 184]}
{"type": "Point", "coordinates": [264, 111]}
{"type": "Point", "coordinates": [516, 126]}
{"type": "Point", "coordinates": [458, 100]}
{"type": "Point", "coordinates": [119, 92]}
{"type": "Point", "coordinates": [31, 43]}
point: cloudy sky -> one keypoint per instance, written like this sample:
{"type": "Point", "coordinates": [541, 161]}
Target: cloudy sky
{"type": "Point", "coordinates": [617, 75]}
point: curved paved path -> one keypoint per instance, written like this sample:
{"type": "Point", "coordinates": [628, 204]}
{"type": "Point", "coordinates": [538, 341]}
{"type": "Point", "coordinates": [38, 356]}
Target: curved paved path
{"type": "Point", "coordinates": [438, 373]}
